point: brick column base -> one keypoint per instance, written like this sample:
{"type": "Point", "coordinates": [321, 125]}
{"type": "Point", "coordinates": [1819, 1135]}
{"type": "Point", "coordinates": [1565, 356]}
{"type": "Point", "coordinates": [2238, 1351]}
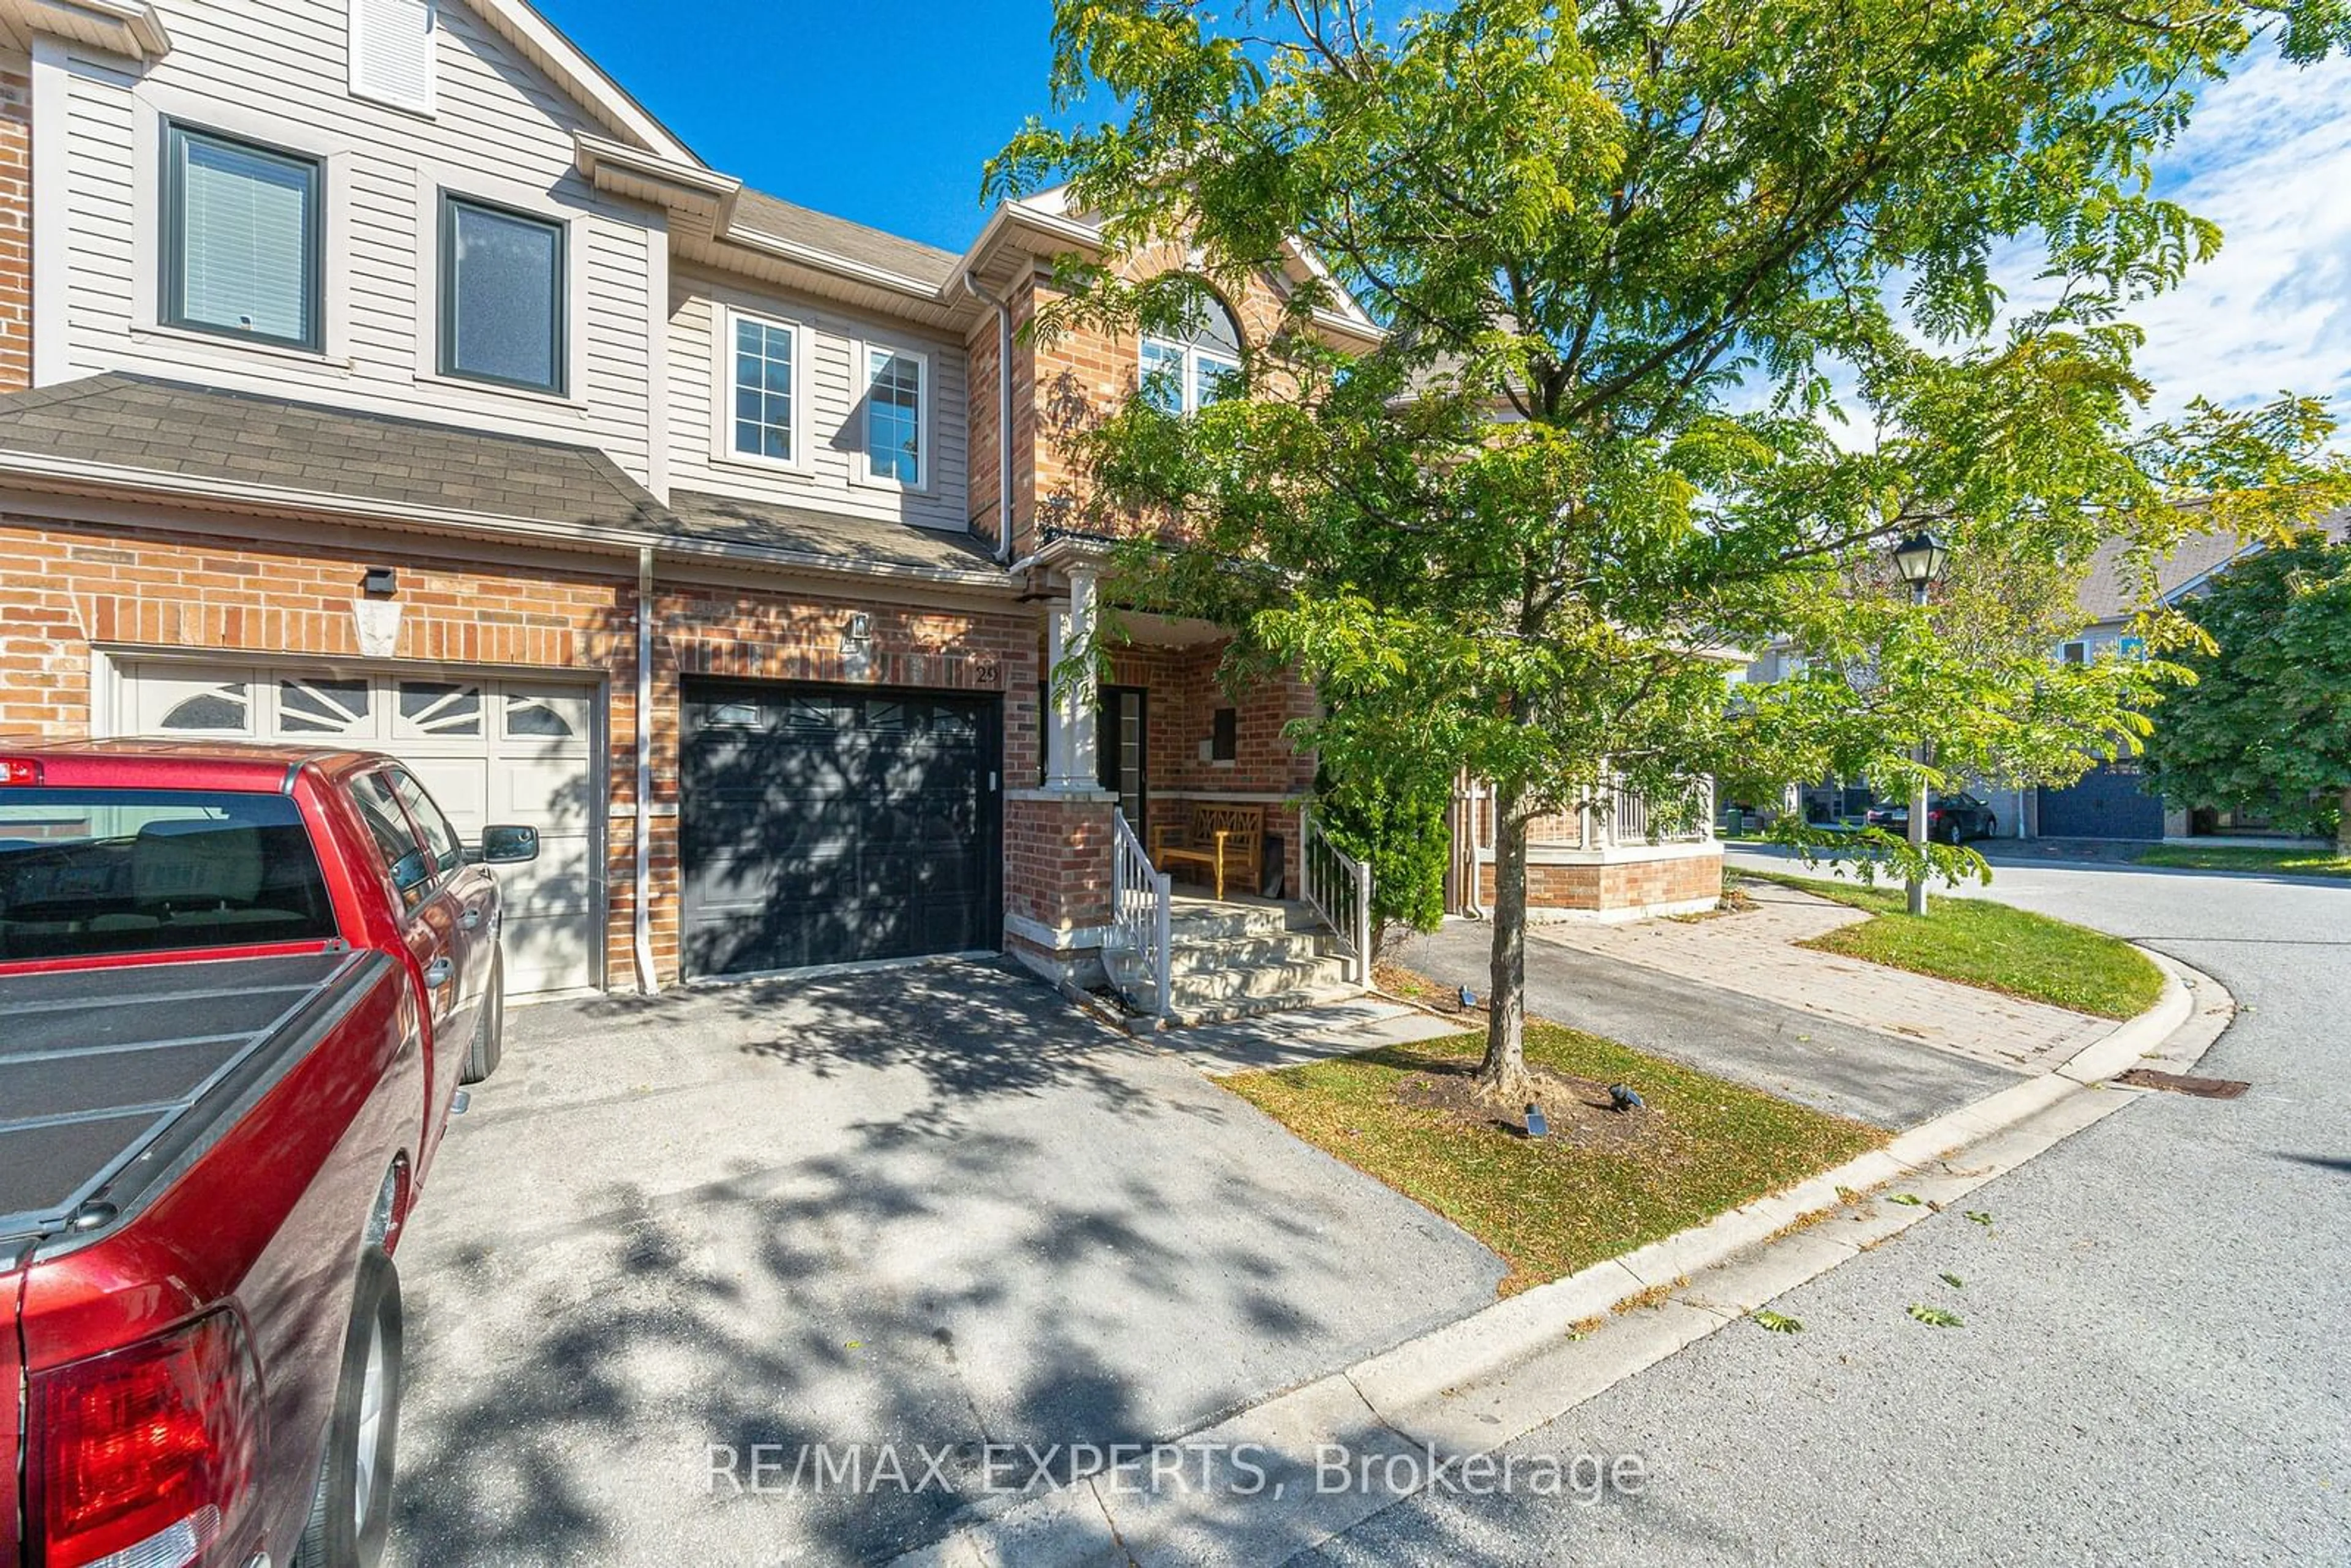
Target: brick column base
{"type": "Point", "coordinates": [1057, 880]}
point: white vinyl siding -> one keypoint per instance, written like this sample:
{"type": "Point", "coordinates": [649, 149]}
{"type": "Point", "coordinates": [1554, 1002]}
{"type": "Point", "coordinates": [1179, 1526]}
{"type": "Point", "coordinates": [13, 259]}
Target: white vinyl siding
{"type": "Point", "coordinates": [276, 72]}
{"type": "Point", "coordinates": [391, 52]}
{"type": "Point", "coordinates": [831, 349]}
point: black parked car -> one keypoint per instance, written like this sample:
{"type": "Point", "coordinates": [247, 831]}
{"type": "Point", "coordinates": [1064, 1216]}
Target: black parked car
{"type": "Point", "coordinates": [1951, 819]}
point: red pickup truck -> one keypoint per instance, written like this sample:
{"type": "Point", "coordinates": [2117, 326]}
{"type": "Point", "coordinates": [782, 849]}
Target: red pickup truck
{"type": "Point", "coordinates": [239, 987]}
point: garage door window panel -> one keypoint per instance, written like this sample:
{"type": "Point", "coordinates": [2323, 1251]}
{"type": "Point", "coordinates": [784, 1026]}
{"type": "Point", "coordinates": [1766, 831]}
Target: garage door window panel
{"type": "Point", "coordinates": [438, 709]}
{"type": "Point", "coordinates": [326, 708]}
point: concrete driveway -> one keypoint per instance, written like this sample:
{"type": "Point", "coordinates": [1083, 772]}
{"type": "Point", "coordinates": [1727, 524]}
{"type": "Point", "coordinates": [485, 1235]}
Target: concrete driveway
{"type": "Point", "coordinates": [927, 1205]}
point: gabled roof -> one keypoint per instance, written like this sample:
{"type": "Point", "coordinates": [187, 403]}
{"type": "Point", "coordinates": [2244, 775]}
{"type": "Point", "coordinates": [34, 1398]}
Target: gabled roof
{"type": "Point", "coordinates": [120, 434]}
{"type": "Point", "coordinates": [545, 46]}
{"type": "Point", "coordinates": [2109, 593]}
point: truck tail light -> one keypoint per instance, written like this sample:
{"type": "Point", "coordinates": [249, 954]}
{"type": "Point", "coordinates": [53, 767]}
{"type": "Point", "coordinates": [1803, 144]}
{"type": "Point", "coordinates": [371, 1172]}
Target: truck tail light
{"type": "Point", "coordinates": [19, 770]}
{"type": "Point", "coordinates": [146, 1458]}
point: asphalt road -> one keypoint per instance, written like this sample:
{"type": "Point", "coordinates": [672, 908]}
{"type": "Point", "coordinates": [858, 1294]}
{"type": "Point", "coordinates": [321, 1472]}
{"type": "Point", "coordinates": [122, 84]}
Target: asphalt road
{"type": "Point", "coordinates": [2152, 1366]}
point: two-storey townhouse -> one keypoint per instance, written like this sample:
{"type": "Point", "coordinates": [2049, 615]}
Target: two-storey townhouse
{"type": "Point", "coordinates": [390, 377]}
{"type": "Point", "coordinates": [2111, 800]}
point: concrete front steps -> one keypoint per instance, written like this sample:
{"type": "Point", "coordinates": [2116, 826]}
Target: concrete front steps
{"type": "Point", "coordinates": [1235, 961]}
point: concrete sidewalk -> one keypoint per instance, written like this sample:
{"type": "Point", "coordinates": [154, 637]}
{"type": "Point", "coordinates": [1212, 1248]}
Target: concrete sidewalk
{"type": "Point", "coordinates": [1735, 995]}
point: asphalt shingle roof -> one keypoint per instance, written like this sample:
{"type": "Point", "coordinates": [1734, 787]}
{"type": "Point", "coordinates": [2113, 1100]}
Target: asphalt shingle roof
{"type": "Point", "coordinates": [158, 426]}
{"type": "Point", "coordinates": [195, 431]}
{"type": "Point", "coordinates": [767, 214]}
{"type": "Point", "coordinates": [2109, 593]}
{"type": "Point", "coordinates": [729, 520]}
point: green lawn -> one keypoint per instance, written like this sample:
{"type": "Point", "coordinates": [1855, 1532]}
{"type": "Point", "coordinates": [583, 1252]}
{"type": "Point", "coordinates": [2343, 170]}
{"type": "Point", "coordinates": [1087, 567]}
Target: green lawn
{"type": "Point", "coordinates": [1601, 1186]}
{"type": "Point", "coordinates": [1979, 942]}
{"type": "Point", "coordinates": [2223, 857]}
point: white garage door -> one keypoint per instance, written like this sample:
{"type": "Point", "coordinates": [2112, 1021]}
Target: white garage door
{"type": "Point", "coordinates": [490, 749]}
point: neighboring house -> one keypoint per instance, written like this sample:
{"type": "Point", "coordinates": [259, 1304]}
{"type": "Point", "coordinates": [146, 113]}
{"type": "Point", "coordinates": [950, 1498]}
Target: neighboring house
{"type": "Point", "coordinates": [390, 377]}
{"type": "Point", "coordinates": [2110, 800]}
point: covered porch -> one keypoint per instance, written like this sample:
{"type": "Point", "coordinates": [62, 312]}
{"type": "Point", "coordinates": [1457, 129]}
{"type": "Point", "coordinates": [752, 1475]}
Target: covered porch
{"type": "Point", "coordinates": [1155, 780]}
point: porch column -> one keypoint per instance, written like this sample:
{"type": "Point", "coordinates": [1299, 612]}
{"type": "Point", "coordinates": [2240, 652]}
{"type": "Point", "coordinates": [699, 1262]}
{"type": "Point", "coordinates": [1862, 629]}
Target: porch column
{"type": "Point", "coordinates": [1070, 762]}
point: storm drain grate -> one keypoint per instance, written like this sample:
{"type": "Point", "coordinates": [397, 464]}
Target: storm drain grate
{"type": "Point", "coordinates": [2179, 1083]}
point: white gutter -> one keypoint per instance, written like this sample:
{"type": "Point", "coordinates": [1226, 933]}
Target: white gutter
{"type": "Point", "coordinates": [647, 982]}
{"type": "Point", "coordinates": [1003, 415]}
{"type": "Point", "coordinates": [841, 265]}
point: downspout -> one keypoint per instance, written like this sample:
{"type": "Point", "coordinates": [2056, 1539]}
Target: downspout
{"type": "Point", "coordinates": [1003, 416]}
{"type": "Point", "coordinates": [647, 982]}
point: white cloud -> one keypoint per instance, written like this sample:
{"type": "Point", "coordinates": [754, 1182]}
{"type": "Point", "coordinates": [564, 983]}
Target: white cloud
{"type": "Point", "coordinates": [2268, 158]}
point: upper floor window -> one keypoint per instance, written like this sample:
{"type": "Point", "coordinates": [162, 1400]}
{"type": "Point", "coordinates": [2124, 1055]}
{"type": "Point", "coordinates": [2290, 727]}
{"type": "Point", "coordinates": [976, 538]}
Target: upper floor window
{"type": "Point", "coordinates": [502, 296]}
{"type": "Point", "coordinates": [1184, 374]}
{"type": "Point", "coordinates": [765, 356]}
{"type": "Point", "coordinates": [895, 390]}
{"type": "Point", "coordinates": [242, 251]}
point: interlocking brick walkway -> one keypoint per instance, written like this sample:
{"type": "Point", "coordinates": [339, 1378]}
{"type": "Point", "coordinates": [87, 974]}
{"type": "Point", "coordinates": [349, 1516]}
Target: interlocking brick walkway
{"type": "Point", "coordinates": [1755, 954]}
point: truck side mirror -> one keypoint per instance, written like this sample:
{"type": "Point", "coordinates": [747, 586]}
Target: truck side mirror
{"type": "Point", "coordinates": [509, 843]}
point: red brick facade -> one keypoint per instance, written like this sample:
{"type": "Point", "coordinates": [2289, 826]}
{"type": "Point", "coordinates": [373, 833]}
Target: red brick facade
{"type": "Point", "coordinates": [15, 222]}
{"type": "Point", "coordinates": [71, 590]}
{"type": "Point", "coordinates": [1625, 886]}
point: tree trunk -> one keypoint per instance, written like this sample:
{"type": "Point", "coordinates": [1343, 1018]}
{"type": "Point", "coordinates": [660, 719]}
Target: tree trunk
{"type": "Point", "coordinates": [1503, 1073]}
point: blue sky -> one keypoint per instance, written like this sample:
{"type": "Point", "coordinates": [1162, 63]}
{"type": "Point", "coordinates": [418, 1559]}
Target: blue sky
{"type": "Point", "coordinates": [879, 112]}
{"type": "Point", "coordinates": [883, 113]}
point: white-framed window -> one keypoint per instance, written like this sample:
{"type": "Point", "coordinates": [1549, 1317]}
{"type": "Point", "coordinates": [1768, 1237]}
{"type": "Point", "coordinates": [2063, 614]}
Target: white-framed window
{"type": "Point", "coordinates": [2076, 654]}
{"type": "Point", "coordinates": [1184, 374]}
{"type": "Point", "coordinates": [761, 365]}
{"type": "Point", "coordinates": [898, 417]}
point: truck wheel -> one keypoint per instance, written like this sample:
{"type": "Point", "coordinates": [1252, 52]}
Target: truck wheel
{"type": "Point", "coordinates": [489, 1040]}
{"type": "Point", "coordinates": [350, 1514]}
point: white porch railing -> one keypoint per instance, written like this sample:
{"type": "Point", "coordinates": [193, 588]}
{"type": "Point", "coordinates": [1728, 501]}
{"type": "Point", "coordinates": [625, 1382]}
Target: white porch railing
{"type": "Point", "coordinates": [1338, 888]}
{"type": "Point", "coordinates": [1143, 907]}
{"type": "Point", "coordinates": [1609, 816]}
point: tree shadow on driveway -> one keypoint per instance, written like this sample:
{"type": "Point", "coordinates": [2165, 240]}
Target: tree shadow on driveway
{"type": "Point", "coordinates": [925, 1207]}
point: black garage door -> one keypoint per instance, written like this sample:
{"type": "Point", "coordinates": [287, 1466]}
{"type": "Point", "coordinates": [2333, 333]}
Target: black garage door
{"type": "Point", "coordinates": [2106, 802]}
{"type": "Point", "coordinates": [825, 825]}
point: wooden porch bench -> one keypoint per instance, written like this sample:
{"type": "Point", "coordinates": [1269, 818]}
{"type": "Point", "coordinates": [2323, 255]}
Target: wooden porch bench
{"type": "Point", "coordinates": [1216, 840]}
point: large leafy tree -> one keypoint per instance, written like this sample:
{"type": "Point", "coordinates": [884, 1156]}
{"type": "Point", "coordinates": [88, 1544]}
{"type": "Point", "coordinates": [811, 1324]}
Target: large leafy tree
{"type": "Point", "coordinates": [2266, 726]}
{"type": "Point", "coordinates": [1690, 311]}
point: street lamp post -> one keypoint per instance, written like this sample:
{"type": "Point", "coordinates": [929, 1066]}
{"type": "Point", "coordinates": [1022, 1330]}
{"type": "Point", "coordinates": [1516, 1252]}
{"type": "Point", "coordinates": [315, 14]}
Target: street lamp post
{"type": "Point", "coordinates": [1920, 560]}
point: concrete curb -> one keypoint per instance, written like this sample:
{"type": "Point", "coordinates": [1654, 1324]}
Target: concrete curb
{"type": "Point", "coordinates": [1477, 1383]}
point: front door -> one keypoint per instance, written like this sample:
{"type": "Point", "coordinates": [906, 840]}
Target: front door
{"type": "Point", "coordinates": [1123, 742]}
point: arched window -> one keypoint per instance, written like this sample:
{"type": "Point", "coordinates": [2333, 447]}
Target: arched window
{"type": "Point", "coordinates": [1181, 374]}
